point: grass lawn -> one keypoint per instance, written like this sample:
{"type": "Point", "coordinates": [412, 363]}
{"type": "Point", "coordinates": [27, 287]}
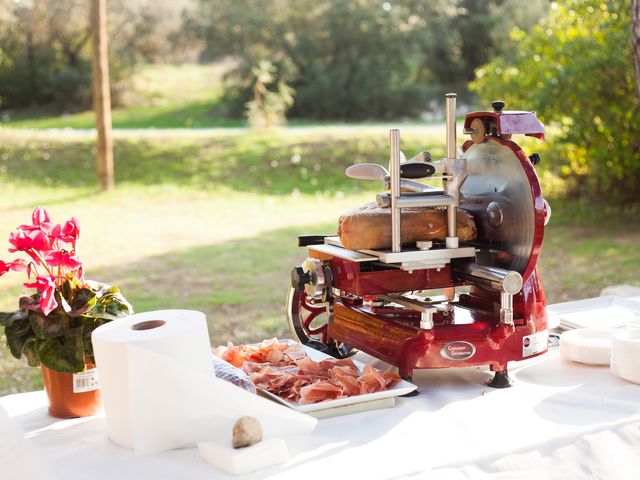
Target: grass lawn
{"type": "Point", "coordinates": [160, 97]}
{"type": "Point", "coordinates": [209, 222]}
{"type": "Point", "coordinates": [157, 96]}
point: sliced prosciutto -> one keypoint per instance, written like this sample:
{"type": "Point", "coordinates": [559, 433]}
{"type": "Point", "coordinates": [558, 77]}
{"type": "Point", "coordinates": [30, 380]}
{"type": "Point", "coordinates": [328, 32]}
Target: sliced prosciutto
{"type": "Point", "coordinates": [285, 370]}
{"type": "Point", "coordinates": [319, 391]}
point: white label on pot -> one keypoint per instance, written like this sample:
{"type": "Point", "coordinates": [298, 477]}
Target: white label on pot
{"type": "Point", "coordinates": [535, 343]}
{"type": "Point", "coordinates": [86, 381]}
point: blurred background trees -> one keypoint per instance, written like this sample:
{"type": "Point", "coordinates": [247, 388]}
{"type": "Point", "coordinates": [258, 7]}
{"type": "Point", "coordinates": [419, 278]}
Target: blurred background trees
{"type": "Point", "coordinates": [576, 68]}
{"type": "Point", "coordinates": [45, 57]}
{"type": "Point", "coordinates": [336, 60]}
{"type": "Point", "coordinates": [366, 59]}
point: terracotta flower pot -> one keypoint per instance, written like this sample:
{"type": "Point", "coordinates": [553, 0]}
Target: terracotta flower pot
{"type": "Point", "coordinates": [63, 401]}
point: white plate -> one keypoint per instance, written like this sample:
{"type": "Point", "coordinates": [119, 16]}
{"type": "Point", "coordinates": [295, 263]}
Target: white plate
{"type": "Point", "coordinates": [599, 312]}
{"type": "Point", "coordinates": [366, 401]}
{"type": "Point", "coordinates": [590, 346]}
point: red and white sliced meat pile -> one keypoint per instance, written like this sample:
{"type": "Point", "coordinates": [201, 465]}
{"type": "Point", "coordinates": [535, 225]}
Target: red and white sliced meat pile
{"type": "Point", "coordinates": [286, 371]}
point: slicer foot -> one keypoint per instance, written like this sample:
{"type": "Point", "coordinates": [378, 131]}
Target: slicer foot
{"type": "Point", "coordinates": [500, 380]}
{"type": "Point", "coordinates": [411, 394]}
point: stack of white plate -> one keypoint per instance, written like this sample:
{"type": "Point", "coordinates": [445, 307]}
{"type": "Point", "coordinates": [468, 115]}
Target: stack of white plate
{"type": "Point", "coordinates": [590, 346]}
{"type": "Point", "coordinates": [600, 312]}
{"type": "Point", "coordinates": [625, 354]}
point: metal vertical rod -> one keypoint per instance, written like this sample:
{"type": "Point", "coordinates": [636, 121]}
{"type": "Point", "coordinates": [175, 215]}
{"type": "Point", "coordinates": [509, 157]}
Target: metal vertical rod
{"type": "Point", "coordinates": [451, 154]}
{"type": "Point", "coordinates": [451, 125]}
{"type": "Point", "coordinates": [506, 308]}
{"type": "Point", "coordinates": [396, 233]}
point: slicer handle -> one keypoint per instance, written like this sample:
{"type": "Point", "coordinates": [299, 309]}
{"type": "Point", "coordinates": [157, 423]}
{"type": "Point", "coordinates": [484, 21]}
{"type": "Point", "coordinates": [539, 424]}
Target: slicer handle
{"type": "Point", "coordinates": [367, 171]}
{"type": "Point", "coordinates": [307, 240]}
{"type": "Point", "coordinates": [416, 170]}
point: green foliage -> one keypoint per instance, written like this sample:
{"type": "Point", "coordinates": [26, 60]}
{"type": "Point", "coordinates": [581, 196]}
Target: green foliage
{"type": "Point", "coordinates": [268, 107]}
{"type": "Point", "coordinates": [45, 51]}
{"type": "Point", "coordinates": [356, 59]}
{"type": "Point", "coordinates": [64, 353]}
{"type": "Point", "coordinates": [576, 69]}
{"type": "Point", "coordinates": [62, 339]}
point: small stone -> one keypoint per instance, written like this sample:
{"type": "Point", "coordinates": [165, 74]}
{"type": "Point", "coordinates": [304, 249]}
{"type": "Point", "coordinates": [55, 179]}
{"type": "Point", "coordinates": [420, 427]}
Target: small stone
{"type": "Point", "coordinates": [247, 431]}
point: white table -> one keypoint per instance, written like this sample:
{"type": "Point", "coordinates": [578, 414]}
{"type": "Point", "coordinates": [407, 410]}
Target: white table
{"type": "Point", "coordinates": [560, 420]}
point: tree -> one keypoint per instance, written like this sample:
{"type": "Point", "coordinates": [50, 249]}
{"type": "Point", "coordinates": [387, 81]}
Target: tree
{"type": "Point", "coordinates": [576, 69]}
{"type": "Point", "coordinates": [356, 59]}
{"type": "Point", "coordinates": [45, 54]}
{"type": "Point", "coordinates": [635, 32]}
{"type": "Point", "coordinates": [102, 94]}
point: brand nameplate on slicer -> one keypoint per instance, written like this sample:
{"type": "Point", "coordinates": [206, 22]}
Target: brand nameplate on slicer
{"type": "Point", "coordinates": [535, 343]}
{"type": "Point", "coordinates": [458, 350]}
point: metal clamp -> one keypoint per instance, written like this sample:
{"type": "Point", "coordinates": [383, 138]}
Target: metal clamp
{"type": "Point", "coordinates": [454, 173]}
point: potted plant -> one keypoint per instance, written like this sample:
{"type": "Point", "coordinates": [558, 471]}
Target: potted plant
{"type": "Point", "coordinates": [52, 327]}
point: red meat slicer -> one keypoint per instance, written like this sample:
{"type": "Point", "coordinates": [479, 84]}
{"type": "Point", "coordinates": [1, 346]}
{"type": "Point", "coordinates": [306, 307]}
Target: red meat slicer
{"type": "Point", "coordinates": [438, 304]}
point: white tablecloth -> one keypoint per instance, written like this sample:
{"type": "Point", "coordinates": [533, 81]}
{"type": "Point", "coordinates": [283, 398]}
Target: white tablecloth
{"type": "Point", "coordinates": [560, 420]}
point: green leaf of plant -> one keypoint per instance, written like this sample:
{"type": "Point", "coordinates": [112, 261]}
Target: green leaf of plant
{"type": "Point", "coordinates": [110, 303]}
{"type": "Point", "coordinates": [29, 303]}
{"type": "Point", "coordinates": [84, 299]}
{"type": "Point", "coordinates": [63, 354]}
{"type": "Point", "coordinates": [66, 289]}
{"type": "Point", "coordinates": [30, 352]}
{"type": "Point", "coordinates": [88, 326]}
{"type": "Point", "coordinates": [7, 318]}
{"type": "Point", "coordinates": [17, 333]}
{"type": "Point", "coordinates": [50, 326]}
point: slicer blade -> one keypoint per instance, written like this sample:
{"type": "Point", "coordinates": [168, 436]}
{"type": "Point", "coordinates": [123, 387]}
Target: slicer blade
{"type": "Point", "coordinates": [498, 193]}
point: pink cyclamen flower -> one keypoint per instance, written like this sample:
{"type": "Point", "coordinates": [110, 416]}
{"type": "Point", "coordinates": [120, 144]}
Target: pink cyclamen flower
{"type": "Point", "coordinates": [69, 232]}
{"type": "Point", "coordinates": [72, 228]}
{"type": "Point", "coordinates": [27, 241]}
{"type": "Point", "coordinates": [63, 259]}
{"type": "Point", "coordinates": [18, 265]}
{"type": "Point", "coordinates": [47, 288]}
{"type": "Point", "coordinates": [40, 220]}
{"type": "Point", "coordinates": [40, 216]}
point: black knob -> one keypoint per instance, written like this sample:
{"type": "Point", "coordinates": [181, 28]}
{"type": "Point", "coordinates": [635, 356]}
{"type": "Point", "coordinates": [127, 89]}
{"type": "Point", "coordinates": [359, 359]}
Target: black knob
{"type": "Point", "coordinates": [535, 158]}
{"type": "Point", "coordinates": [416, 170]}
{"type": "Point", "coordinates": [299, 278]}
{"type": "Point", "coordinates": [497, 105]}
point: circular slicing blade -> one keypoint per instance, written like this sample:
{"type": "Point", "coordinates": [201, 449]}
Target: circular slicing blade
{"type": "Point", "coordinates": [497, 192]}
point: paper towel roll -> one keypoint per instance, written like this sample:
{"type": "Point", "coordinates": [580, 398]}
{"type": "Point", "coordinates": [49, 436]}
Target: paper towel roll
{"type": "Point", "coordinates": [177, 334]}
{"type": "Point", "coordinates": [160, 391]}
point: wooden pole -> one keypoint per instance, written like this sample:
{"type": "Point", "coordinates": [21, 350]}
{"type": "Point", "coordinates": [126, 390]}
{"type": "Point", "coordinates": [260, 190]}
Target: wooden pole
{"type": "Point", "coordinates": [102, 95]}
{"type": "Point", "coordinates": [635, 29]}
